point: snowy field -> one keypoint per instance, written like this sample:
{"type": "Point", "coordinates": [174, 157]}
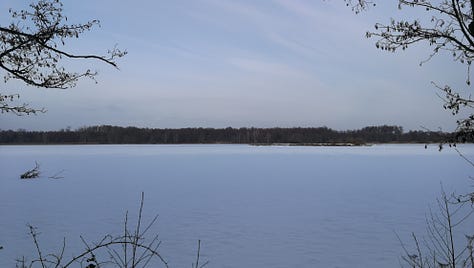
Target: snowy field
{"type": "Point", "coordinates": [251, 206]}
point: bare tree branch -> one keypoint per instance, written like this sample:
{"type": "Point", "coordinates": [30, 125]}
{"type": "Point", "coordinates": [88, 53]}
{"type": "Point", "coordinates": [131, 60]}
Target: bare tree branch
{"type": "Point", "coordinates": [93, 255]}
{"type": "Point", "coordinates": [32, 49]}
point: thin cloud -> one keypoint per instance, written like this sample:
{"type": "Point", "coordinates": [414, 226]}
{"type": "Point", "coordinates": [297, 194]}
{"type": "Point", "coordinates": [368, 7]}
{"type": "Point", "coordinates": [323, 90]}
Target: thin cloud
{"type": "Point", "coordinates": [266, 67]}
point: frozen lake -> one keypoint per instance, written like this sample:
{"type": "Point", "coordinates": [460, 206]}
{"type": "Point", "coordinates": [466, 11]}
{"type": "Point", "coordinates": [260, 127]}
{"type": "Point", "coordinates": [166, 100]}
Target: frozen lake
{"type": "Point", "coordinates": [250, 206]}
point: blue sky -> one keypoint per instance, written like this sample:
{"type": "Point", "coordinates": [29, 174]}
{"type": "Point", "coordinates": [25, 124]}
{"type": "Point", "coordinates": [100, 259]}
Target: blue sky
{"type": "Point", "coordinates": [219, 63]}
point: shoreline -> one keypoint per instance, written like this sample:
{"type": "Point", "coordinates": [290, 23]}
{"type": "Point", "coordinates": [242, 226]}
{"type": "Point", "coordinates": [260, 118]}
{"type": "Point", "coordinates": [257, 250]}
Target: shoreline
{"type": "Point", "coordinates": [289, 144]}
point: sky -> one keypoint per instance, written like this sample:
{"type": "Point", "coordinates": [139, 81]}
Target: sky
{"type": "Point", "coordinates": [221, 63]}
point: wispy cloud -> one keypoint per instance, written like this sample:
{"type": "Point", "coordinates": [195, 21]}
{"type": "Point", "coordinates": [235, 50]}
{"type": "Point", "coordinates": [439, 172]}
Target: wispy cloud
{"type": "Point", "coordinates": [303, 9]}
{"type": "Point", "coordinates": [302, 28]}
{"type": "Point", "coordinates": [266, 67]}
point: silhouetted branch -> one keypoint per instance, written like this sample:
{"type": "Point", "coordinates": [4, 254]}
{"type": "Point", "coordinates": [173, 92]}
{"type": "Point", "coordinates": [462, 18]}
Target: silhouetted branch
{"type": "Point", "coordinates": [359, 5]}
{"type": "Point", "coordinates": [22, 109]}
{"type": "Point", "coordinates": [450, 30]}
{"type": "Point", "coordinates": [32, 49]}
{"type": "Point", "coordinates": [141, 255]}
{"type": "Point", "coordinates": [196, 264]}
{"type": "Point", "coordinates": [440, 243]}
{"type": "Point", "coordinates": [34, 234]}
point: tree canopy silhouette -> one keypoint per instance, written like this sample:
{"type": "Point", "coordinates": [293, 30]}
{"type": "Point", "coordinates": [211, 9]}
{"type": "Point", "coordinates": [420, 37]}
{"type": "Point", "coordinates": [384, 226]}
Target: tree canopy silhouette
{"type": "Point", "coordinates": [32, 50]}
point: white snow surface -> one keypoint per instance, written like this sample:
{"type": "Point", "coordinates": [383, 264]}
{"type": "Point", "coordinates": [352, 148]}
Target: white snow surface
{"type": "Point", "coordinates": [251, 206]}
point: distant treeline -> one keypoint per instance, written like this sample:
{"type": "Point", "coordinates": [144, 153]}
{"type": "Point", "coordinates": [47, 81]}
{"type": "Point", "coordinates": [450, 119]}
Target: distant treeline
{"type": "Point", "coordinates": [132, 135]}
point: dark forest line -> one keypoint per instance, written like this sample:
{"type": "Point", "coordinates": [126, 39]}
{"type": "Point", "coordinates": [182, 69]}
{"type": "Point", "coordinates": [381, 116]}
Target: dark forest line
{"type": "Point", "coordinates": [106, 134]}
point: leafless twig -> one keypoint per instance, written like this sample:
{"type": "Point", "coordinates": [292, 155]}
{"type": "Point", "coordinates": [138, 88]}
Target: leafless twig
{"type": "Point", "coordinates": [93, 256]}
{"type": "Point", "coordinates": [196, 265]}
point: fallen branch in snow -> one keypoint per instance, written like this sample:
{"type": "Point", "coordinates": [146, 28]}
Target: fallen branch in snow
{"type": "Point", "coordinates": [31, 174]}
{"type": "Point", "coordinates": [57, 175]}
